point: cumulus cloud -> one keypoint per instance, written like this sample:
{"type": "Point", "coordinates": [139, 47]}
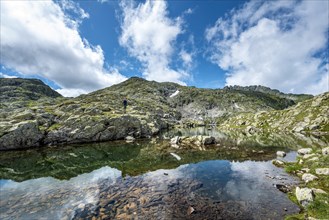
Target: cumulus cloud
{"type": "Point", "coordinates": [149, 35]}
{"type": "Point", "coordinates": [42, 38]}
{"type": "Point", "coordinates": [280, 44]}
{"type": "Point", "coordinates": [2, 75]}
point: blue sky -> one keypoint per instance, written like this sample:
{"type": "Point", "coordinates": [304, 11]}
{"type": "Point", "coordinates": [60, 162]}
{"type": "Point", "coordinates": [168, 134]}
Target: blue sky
{"type": "Point", "coordinates": [80, 46]}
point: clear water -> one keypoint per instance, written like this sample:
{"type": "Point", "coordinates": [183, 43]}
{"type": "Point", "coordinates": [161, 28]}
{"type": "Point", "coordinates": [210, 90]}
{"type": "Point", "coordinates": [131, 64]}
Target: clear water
{"type": "Point", "coordinates": [141, 180]}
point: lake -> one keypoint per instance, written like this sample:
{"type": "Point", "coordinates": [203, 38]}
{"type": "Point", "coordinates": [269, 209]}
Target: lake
{"type": "Point", "coordinates": [234, 179]}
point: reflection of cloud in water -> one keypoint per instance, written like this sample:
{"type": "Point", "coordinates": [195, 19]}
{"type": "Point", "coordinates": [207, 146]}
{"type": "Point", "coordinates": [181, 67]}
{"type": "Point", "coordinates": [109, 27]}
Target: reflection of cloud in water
{"type": "Point", "coordinates": [250, 183]}
{"type": "Point", "coordinates": [162, 180]}
{"type": "Point", "coordinates": [51, 197]}
{"type": "Point", "coordinates": [248, 180]}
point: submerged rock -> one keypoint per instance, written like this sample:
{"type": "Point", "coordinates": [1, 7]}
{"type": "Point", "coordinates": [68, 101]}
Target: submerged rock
{"type": "Point", "coordinates": [304, 196]}
{"type": "Point", "coordinates": [190, 210]}
{"type": "Point", "coordinates": [283, 188]}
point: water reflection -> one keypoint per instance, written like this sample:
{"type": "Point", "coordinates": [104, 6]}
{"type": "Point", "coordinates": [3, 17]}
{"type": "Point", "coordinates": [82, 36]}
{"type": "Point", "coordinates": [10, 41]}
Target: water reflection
{"type": "Point", "coordinates": [133, 159]}
{"type": "Point", "coordinates": [215, 189]}
{"type": "Point", "coordinates": [230, 180]}
{"type": "Point", "coordinates": [291, 140]}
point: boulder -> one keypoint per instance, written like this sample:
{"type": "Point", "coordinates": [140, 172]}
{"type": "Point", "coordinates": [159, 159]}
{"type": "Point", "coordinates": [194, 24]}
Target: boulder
{"type": "Point", "coordinates": [280, 153]}
{"type": "Point", "coordinates": [22, 135]}
{"type": "Point", "coordinates": [307, 177]}
{"type": "Point", "coordinates": [304, 151]}
{"type": "Point", "coordinates": [304, 196]}
{"type": "Point", "coordinates": [322, 171]}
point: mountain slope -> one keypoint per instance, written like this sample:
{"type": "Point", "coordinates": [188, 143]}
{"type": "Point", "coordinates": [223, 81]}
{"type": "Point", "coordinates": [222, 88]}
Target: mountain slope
{"type": "Point", "coordinates": [307, 116]}
{"type": "Point", "coordinates": [99, 116]}
{"type": "Point", "coordinates": [273, 92]}
{"type": "Point", "coordinates": [18, 89]}
{"type": "Point", "coordinates": [200, 105]}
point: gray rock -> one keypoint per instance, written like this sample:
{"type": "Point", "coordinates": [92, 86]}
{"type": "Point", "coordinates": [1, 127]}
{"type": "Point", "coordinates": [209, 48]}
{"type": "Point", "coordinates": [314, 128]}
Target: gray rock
{"type": "Point", "coordinates": [304, 151]}
{"type": "Point", "coordinates": [280, 153]}
{"type": "Point", "coordinates": [322, 171]}
{"type": "Point", "coordinates": [325, 151]}
{"type": "Point", "coordinates": [304, 196]}
{"type": "Point", "coordinates": [307, 177]}
{"type": "Point", "coordinates": [23, 135]}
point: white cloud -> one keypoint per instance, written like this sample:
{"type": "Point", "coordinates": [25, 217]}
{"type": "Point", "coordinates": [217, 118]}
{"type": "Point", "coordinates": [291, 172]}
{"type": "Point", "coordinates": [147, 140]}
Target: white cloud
{"type": "Point", "coordinates": [149, 34]}
{"type": "Point", "coordinates": [102, 1]}
{"type": "Point", "coordinates": [39, 38]}
{"type": "Point", "coordinates": [279, 44]}
{"type": "Point", "coordinates": [2, 75]}
{"type": "Point", "coordinates": [186, 57]}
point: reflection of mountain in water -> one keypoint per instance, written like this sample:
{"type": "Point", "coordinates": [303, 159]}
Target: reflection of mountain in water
{"type": "Point", "coordinates": [142, 156]}
{"type": "Point", "coordinates": [213, 188]}
{"type": "Point", "coordinates": [291, 140]}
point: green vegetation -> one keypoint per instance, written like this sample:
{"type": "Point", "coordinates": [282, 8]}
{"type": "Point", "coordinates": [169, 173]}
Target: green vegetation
{"type": "Point", "coordinates": [319, 208]}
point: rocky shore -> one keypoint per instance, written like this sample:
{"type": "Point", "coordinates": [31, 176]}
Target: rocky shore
{"type": "Point", "coordinates": [312, 194]}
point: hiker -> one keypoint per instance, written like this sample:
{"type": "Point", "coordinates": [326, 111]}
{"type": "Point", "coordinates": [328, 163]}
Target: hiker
{"type": "Point", "coordinates": [125, 103]}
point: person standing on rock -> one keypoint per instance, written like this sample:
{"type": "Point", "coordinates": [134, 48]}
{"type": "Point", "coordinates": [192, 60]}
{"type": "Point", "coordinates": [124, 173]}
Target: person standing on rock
{"type": "Point", "coordinates": [125, 103]}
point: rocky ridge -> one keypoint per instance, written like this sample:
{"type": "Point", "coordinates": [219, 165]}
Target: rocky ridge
{"type": "Point", "coordinates": [152, 107]}
{"type": "Point", "coordinates": [18, 89]}
{"type": "Point", "coordinates": [311, 115]}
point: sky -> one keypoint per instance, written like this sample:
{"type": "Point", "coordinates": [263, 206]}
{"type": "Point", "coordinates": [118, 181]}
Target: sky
{"type": "Point", "coordinates": [77, 47]}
